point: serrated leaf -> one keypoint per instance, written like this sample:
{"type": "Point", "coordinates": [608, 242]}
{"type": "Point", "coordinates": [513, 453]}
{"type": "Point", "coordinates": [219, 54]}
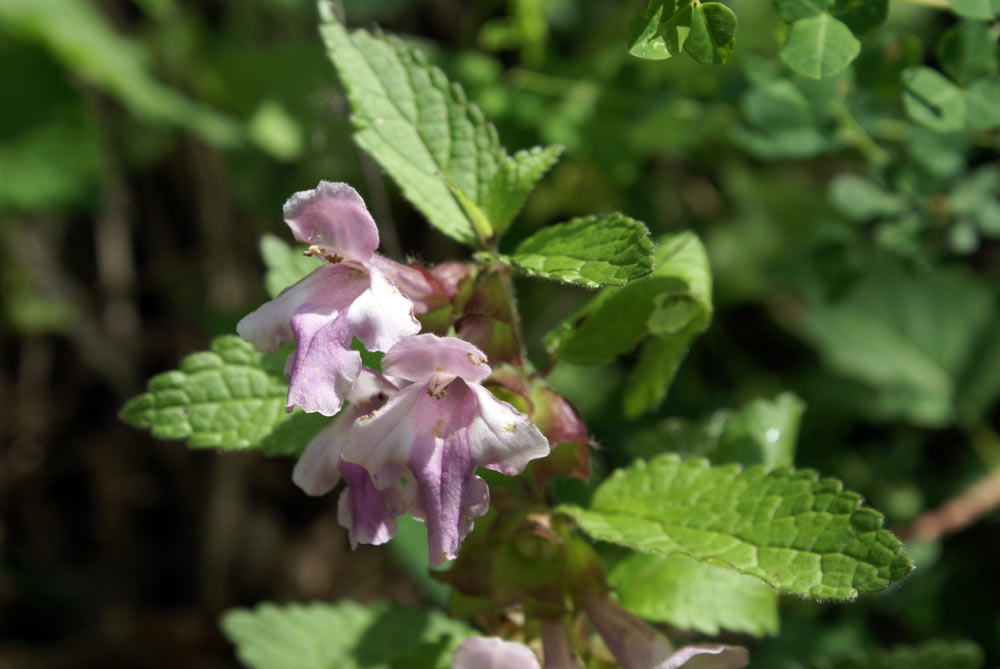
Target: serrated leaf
{"type": "Point", "coordinates": [675, 591]}
{"type": "Point", "coordinates": [230, 398]}
{"type": "Point", "coordinates": [976, 9]}
{"type": "Point", "coordinates": [712, 33]}
{"type": "Point", "coordinates": [907, 336]}
{"type": "Point", "coordinates": [434, 143]}
{"type": "Point", "coordinates": [345, 635]}
{"type": "Point", "coordinates": [819, 46]}
{"type": "Point", "coordinates": [512, 183]}
{"type": "Point", "coordinates": [861, 16]}
{"type": "Point", "coordinates": [932, 100]}
{"type": "Point", "coordinates": [660, 31]}
{"type": "Point", "coordinates": [592, 251]}
{"type": "Point", "coordinates": [800, 534]}
{"type": "Point", "coordinates": [928, 655]}
{"type": "Point", "coordinates": [285, 263]}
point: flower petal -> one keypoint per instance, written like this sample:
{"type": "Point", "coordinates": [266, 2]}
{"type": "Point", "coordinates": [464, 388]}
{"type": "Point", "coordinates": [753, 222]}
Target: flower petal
{"type": "Point", "coordinates": [707, 657]}
{"type": "Point", "coordinates": [449, 493]}
{"type": "Point", "coordinates": [421, 357]}
{"type": "Point", "coordinates": [634, 644]}
{"type": "Point", "coordinates": [493, 653]}
{"type": "Point", "coordinates": [501, 437]}
{"type": "Point", "coordinates": [333, 217]}
{"type": "Point", "coordinates": [556, 644]}
{"type": "Point", "coordinates": [381, 315]}
{"type": "Point", "coordinates": [418, 285]}
{"type": "Point", "coordinates": [326, 291]}
{"type": "Point", "coordinates": [322, 368]}
{"type": "Point", "coordinates": [368, 513]}
{"type": "Point", "coordinates": [380, 441]}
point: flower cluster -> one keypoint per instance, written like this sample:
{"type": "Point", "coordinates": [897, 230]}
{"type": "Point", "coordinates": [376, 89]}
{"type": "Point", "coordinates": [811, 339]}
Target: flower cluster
{"type": "Point", "coordinates": [414, 435]}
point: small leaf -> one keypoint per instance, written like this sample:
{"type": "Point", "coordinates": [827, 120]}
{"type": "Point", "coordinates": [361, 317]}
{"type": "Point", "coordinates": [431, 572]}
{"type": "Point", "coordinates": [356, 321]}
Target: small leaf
{"type": "Point", "coordinates": [982, 104]}
{"type": "Point", "coordinates": [860, 199]}
{"type": "Point", "coordinates": [231, 397]}
{"type": "Point", "coordinates": [976, 9]}
{"type": "Point", "coordinates": [345, 635]}
{"type": "Point", "coordinates": [791, 11]}
{"type": "Point", "coordinates": [591, 251]}
{"type": "Point", "coordinates": [929, 655]}
{"type": "Point", "coordinates": [932, 100]}
{"type": "Point", "coordinates": [861, 16]}
{"type": "Point", "coordinates": [675, 590]}
{"type": "Point", "coordinates": [660, 31]}
{"type": "Point", "coordinates": [285, 263]}
{"type": "Point", "coordinates": [800, 534]}
{"type": "Point", "coordinates": [968, 51]}
{"type": "Point", "coordinates": [513, 181]}
{"type": "Point", "coordinates": [819, 47]}
{"type": "Point", "coordinates": [712, 34]}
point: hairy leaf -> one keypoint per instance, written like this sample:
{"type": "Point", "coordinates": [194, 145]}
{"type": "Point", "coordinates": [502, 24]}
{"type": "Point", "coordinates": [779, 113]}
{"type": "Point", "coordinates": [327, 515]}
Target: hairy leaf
{"type": "Point", "coordinates": [345, 635]}
{"type": "Point", "coordinates": [676, 590]}
{"type": "Point", "coordinates": [799, 533]}
{"type": "Point", "coordinates": [231, 397]}
{"type": "Point", "coordinates": [433, 142]}
{"type": "Point", "coordinates": [592, 251]}
{"type": "Point", "coordinates": [820, 46]}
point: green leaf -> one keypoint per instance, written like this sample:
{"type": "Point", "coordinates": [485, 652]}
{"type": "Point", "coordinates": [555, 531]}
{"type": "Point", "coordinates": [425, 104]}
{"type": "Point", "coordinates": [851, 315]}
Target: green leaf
{"type": "Point", "coordinates": [907, 336]}
{"type": "Point", "coordinates": [78, 36]}
{"type": "Point", "coordinates": [982, 104]}
{"type": "Point", "coordinates": [712, 33]}
{"type": "Point", "coordinates": [976, 9]}
{"type": "Point", "coordinates": [861, 16]}
{"type": "Point", "coordinates": [342, 636]}
{"type": "Point", "coordinates": [861, 199]}
{"type": "Point", "coordinates": [820, 46]}
{"type": "Point", "coordinates": [660, 31]}
{"type": "Point", "coordinates": [231, 397]}
{"type": "Point", "coordinates": [591, 251]}
{"type": "Point", "coordinates": [761, 432]}
{"type": "Point", "coordinates": [433, 142]}
{"type": "Point", "coordinates": [675, 591]}
{"type": "Point", "coordinates": [800, 534]}
{"type": "Point", "coordinates": [932, 100]}
{"type": "Point", "coordinates": [513, 182]}
{"type": "Point", "coordinates": [928, 655]}
{"type": "Point", "coordinates": [285, 263]}
{"type": "Point", "coordinates": [968, 51]}
{"type": "Point", "coordinates": [791, 11]}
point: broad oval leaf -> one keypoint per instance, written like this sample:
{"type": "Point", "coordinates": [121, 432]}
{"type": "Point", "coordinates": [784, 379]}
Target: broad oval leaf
{"type": "Point", "coordinates": [820, 46]}
{"type": "Point", "coordinates": [592, 251]}
{"type": "Point", "coordinates": [932, 100]}
{"type": "Point", "coordinates": [799, 533]}
{"type": "Point", "coordinates": [712, 34]}
{"type": "Point", "coordinates": [976, 9]}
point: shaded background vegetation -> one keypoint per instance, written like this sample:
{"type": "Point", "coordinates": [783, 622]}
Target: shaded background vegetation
{"type": "Point", "coordinates": [146, 145]}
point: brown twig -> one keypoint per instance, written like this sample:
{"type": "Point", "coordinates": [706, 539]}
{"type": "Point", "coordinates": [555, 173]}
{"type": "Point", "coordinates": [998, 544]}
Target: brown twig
{"type": "Point", "coordinates": [958, 512]}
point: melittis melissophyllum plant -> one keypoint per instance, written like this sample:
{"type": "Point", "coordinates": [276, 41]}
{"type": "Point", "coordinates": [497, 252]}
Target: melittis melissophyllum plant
{"type": "Point", "coordinates": [408, 387]}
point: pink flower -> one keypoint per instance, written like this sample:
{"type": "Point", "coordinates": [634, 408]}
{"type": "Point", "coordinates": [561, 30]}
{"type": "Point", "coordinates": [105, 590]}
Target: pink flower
{"type": "Point", "coordinates": [354, 295]}
{"type": "Point", "coordinates": [636, 645]}
{"type": "Point", "coordinates": [493, 653]}
{"type": "Point", "coordinates": [419, 434]}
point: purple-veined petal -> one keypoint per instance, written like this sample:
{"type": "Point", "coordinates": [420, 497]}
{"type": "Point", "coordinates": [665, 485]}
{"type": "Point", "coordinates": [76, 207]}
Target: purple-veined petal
{"type": "Point", "coordinates": [449, 493]}
{"type": "Point", "coordinates": [317, 471]}
{"type": "Point", "coordinates": [368, 513]}
{"type": "Point", "coordinates": [381, 315]}
{"type": "Point", "coordinates": [556, 644]}
{"type": "Point", "coordinates": [326, 291]}
{"type": "Point", "coordinates": [322, 368]}
{"type": "Point", "coordinates": [493, 653]}
{"type": "Point", "coordinates": [418, 286]}
{"type": "Point", "coordinates": [334, 218]}
{"type": "Point", "coordinates": [425, 356]}
{"type": "Point", "coordinates": [707, 657]}
{"type": "Point", "coordinates": [501, 437]}
{"type": "Point", "coordinates": [634, 643]}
